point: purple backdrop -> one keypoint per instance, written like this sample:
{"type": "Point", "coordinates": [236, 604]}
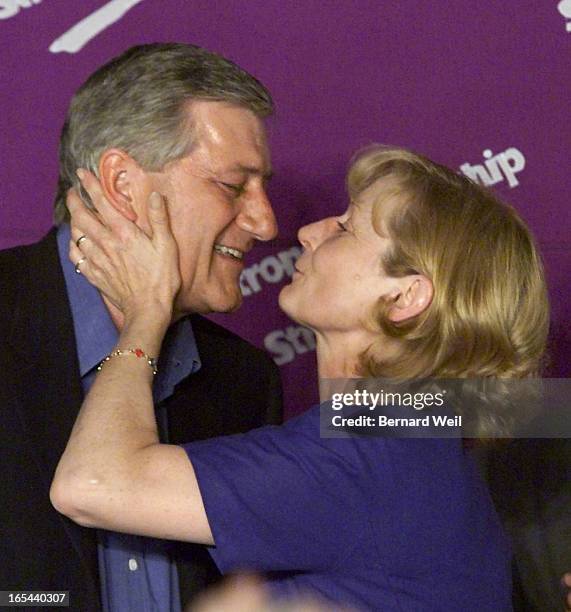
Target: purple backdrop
{"type": "Point", "coordinates": [483, 87]}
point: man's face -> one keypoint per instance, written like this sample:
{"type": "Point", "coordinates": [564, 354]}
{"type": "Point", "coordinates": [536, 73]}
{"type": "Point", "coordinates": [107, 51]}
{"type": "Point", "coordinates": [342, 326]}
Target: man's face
{"type": "Point", "coordinates": [217, 204]}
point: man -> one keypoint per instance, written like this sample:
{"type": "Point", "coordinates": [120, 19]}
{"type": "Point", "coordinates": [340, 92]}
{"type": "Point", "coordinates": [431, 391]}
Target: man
{"type": "Point", "coordinates": [530, 484]}
{"type": "Point", "coordinates": [172, 118]}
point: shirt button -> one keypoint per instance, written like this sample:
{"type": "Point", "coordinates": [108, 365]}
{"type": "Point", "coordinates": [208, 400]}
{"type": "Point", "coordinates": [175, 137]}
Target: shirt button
{"type": "Point", "coordinates": [133, 565]}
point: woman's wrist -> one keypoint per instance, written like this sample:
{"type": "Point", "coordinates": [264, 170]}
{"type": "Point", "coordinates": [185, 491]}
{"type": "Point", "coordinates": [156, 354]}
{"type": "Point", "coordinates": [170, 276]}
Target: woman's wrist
{"type": "Point", "coordinates": [149, 312]}
{"type": "Point", "coordinates": [145, 328]}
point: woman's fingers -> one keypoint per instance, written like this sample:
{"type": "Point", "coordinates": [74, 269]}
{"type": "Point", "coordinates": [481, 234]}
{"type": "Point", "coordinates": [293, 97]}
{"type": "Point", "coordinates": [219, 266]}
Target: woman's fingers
{"type": "Point", "coordinates": [164, 242]}
{"type": "Point", "coordinates": [119, 258]}
{"type": "Point", "coordinates": [159, 220]}
{"type": "Point", "coordinates": [80, 261]}
{"type": "Point", "coordinates": [90, 240]}
{"type": "Point", "coordinates": [75, 255]}
{"type": "Point", "coordinates": [86, 246]}
{"type": "Point", "coordinates": [90, 261]}
{"type": "Point", "coordinates": [109, 214]}
{"type": "Point", "coordinates": [89, 246]}
{"type": "Point", "coordinates": [82, 219]}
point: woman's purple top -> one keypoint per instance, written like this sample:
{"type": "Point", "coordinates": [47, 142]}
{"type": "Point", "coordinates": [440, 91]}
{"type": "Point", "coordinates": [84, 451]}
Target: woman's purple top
{"type": "Point", "coordinates": [387, 524]}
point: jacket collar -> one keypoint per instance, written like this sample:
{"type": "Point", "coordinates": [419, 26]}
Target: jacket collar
{"type": "Point", "coordinates": [43, 344]}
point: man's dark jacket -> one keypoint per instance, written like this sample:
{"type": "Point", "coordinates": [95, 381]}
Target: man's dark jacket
{"type": "Point", "coordinates": [237, 389]}
{"type": "Point", "coordinates": [530, 483]}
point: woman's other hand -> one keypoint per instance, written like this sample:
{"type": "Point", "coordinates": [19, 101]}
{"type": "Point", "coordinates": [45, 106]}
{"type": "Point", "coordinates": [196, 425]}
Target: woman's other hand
{"type": "Point", "coordinates": [135, 271]}
{"type": "Point", "coordinates": [245, 593]}
{"type": "Point", "coordinates": [566, 586]}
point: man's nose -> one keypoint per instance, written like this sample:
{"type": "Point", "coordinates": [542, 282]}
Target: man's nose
{"type": "Point", "coordinates": [257, 216]}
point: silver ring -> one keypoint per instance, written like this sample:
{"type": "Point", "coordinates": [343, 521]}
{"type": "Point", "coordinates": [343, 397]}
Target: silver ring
{"type": "Point", "coordinates": [82, 260]}
{"type": "Point", "coordinates": [80, 240]}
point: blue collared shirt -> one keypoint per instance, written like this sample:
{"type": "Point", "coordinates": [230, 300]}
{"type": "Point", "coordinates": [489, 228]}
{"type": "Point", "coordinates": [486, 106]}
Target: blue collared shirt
{"type": "Point", "coordinates": [136, 573]}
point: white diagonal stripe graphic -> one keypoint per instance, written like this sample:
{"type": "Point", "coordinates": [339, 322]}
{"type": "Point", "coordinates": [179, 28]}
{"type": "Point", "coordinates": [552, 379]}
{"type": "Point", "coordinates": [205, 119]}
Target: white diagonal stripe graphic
{"type": "Point", "coordinates": [81, 33]}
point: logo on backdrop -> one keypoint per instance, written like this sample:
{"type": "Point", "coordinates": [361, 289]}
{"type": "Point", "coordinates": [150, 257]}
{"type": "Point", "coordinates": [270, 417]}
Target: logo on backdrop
{"type": "Point", "coordinates": [9, 8]}
{"type": "Point", "coordinates": [286, 344]}
{"type": "Point", "coordinates": [283, 344]}
{"type": "Point", "coordinates": [81, 33]}
{"type": "Point", "coordinates": [271, 270]}
{"type": "Point", "coordinates": [564, 7]}
{"type": "Point", "coordinates": [496, 168]}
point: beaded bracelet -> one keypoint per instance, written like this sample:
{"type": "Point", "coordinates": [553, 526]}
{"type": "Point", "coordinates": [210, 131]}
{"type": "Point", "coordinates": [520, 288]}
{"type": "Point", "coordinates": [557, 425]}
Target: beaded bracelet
{"type": "Point", "coordinates": [133, 351]}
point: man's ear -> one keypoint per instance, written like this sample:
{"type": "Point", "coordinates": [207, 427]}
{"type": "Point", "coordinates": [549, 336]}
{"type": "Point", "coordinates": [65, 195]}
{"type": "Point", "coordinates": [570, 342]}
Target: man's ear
{"type": "Point", "coordinates": [123, 182]}
{"type": "Point", "coordinates": [414, 298]}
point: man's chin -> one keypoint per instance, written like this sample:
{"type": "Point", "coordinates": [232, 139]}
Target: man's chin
{"type": "Point", "coordinates": [223, 303]}
{"type": "Point", "coordinates": [228, 307]}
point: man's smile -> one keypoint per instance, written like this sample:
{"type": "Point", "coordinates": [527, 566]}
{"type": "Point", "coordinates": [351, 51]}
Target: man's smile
{"type": "Point", "coordinates": [230, 251]}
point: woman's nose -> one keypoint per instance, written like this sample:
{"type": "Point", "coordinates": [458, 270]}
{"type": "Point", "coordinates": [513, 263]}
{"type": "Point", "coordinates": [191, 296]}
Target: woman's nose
{"type": "Point", "coordinates": [310, 236]}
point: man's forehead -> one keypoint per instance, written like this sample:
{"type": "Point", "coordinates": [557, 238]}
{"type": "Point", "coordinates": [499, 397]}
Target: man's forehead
{"type": "Point", "coordinates": [233, 137]}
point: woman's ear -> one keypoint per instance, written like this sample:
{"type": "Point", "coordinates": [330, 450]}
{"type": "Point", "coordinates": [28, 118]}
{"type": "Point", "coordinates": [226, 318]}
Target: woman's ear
{"type": "Point", "coordinates": [122, 180]}
{"type": "Point", "coordinates": [414, 298]}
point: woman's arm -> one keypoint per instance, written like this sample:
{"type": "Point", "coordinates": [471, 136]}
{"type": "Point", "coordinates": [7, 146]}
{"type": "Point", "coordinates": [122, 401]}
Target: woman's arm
{"type": "Point", "coordinates": [114, 473]}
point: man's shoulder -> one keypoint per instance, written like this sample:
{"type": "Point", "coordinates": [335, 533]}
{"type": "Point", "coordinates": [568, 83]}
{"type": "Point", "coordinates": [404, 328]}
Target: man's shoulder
{"type": "Point", "coordinates": [28, 274]}
{"type": "Point", "coordinates": [242, 378]}
{"type": "Point", "coordinates": [12, 258]}
{"type": "Point", "coordinates": [43, 252]}
{"type": "Point", "coordinates": [212, 336]}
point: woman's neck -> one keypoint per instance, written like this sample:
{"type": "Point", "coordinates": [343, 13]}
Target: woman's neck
{"type": "Point", "coordinates": [339, 354]}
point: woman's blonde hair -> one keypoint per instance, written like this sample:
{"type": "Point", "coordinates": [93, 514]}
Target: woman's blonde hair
{"type": "Point", "coordinates": [489, 315]}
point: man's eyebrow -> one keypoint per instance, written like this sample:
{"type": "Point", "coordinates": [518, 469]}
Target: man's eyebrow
{"type": "Point", "coordinates": [266, 174]}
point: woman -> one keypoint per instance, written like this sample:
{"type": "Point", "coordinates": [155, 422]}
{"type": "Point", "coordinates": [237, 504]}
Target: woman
{"type": "Point", "coordinates": [426, 274]}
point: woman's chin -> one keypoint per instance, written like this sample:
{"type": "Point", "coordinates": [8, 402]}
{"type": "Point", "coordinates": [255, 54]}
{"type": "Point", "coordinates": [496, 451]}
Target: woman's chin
{"type": "Point", "coordinates": [283, 301]}
{"type": "Point", "coordinates": [292, 308]}
{"type": "Point", "coordinates": [287, 302]}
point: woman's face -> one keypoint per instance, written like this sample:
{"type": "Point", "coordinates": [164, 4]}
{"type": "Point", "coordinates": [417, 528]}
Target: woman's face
{"type": "Point", "coordinates": [339, 277]}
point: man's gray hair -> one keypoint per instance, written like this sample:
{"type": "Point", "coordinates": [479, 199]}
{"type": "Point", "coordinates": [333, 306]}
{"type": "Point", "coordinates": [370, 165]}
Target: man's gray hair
{"type": "Point", "coordinates": [137, 103]}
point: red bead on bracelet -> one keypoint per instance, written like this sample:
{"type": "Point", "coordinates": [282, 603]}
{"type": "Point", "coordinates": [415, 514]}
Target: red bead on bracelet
{"type": "Point", "coordinates": [133, 351]}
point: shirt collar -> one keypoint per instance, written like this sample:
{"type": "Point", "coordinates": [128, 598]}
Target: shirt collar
{"type": "Point", "coordinates": [96, 334]}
